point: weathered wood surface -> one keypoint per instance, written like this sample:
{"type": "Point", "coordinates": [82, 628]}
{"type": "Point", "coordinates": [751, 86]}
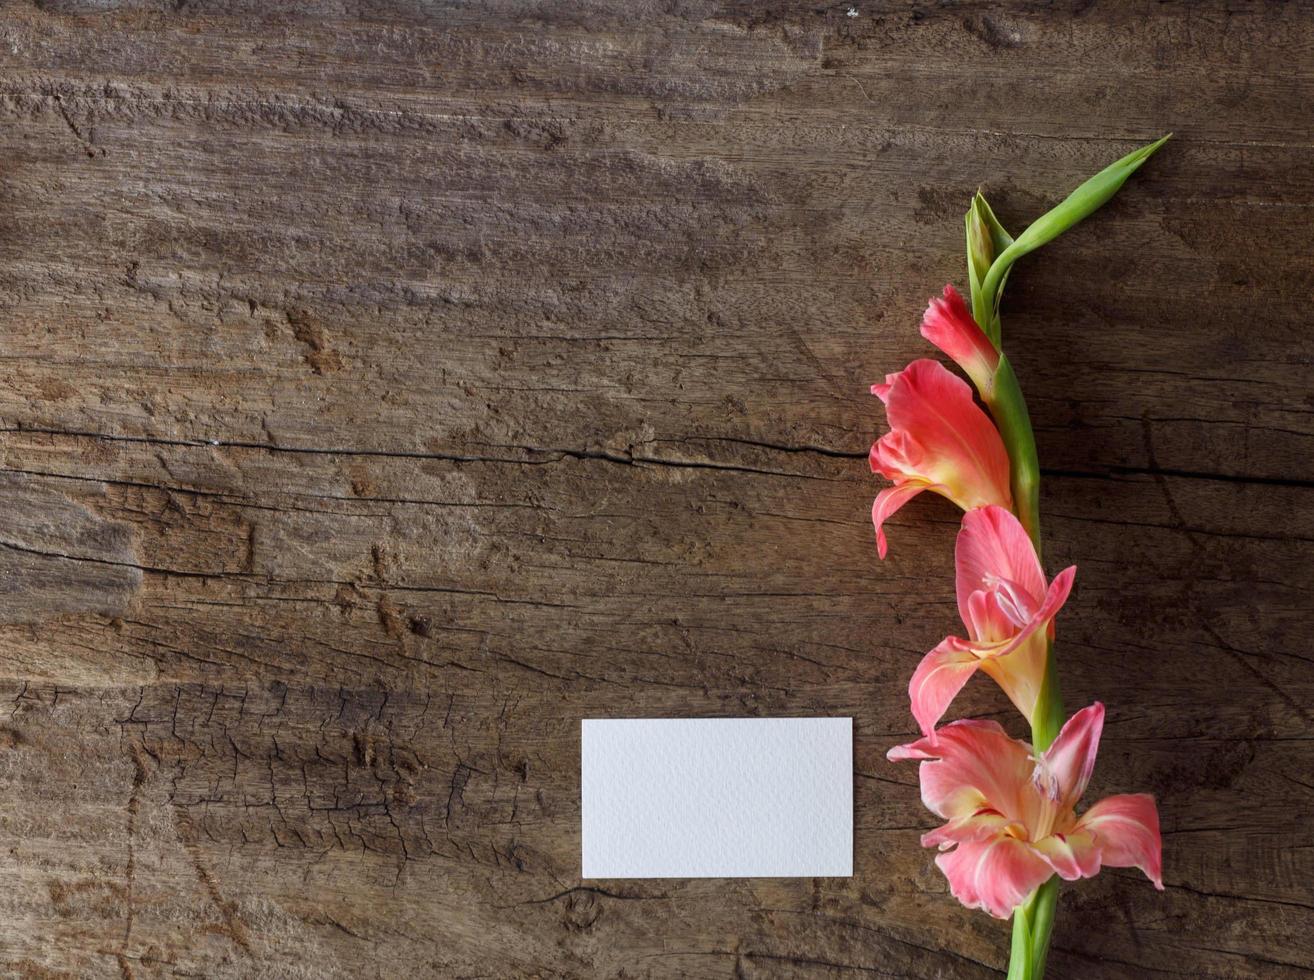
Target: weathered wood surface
{"type": "Point", "coordinates": [388, 386]}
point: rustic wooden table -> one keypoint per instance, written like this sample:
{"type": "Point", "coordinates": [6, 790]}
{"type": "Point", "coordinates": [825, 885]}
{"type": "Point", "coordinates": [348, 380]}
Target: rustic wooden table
{"type": "Point", "coordinates": [387, 386]}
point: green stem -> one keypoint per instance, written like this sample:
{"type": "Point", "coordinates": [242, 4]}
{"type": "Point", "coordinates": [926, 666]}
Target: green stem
{"type": "Point", "coordinates": [1020, 959]}
{"type": "Point", "coordinates": [991, 252]}
{"type": "Point", "coordinates": [1048, 716]}
{"type": "Point", "coordinates": [1041, 907]}
{"type": "Point", "coordinates": [1009, 408]}
{"type": "Point", "coordinates": [1033, 921]}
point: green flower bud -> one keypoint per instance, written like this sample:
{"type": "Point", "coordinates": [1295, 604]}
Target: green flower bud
{"type": "Point", "coordinates": [986, 238]}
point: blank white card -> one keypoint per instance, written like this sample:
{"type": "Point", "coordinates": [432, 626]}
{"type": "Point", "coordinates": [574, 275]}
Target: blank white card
{"type": "Point", "coordinates": [717, 797]}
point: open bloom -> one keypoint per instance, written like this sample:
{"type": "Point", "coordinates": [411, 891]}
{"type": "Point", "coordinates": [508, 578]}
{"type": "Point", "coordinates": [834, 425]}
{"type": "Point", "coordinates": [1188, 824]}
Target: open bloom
{"type": "Point", "coordinates": [939, 440]}
{"type": "Point", "coordinates": [949, 325]}
{"type": "Point", "coordinates": [1010, 815]}
{"type": "Point", "coordinates": [1009, 614]}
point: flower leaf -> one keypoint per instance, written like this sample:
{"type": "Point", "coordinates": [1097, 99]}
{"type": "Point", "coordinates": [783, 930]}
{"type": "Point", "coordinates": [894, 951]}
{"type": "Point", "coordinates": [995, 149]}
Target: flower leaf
{"type": "Point", "coordinates": [1080, 204]}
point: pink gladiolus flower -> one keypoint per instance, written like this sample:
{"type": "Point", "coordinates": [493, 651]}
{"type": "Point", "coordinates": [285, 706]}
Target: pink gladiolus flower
{"type": "Point", "coordinates": [1010, 816]}
{"type": "Point", "coordinates": [940, 440]}
{"type": "Point", "coordinates": [949, 325]}
{"type": "Point", "coordinates": [1008, 612]}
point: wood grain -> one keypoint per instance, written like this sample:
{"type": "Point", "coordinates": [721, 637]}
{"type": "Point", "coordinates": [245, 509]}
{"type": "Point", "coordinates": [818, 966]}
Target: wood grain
{"type": "Point", "coordinates": [387, 386]}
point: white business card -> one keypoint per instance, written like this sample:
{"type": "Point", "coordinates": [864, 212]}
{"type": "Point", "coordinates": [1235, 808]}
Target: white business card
{"type": "Point", "coordinates": [717, 797]}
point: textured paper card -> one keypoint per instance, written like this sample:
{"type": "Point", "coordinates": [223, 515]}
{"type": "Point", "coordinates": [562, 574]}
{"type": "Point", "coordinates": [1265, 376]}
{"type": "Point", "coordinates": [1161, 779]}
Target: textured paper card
{"type": "Point", "coordinates": [717, 797]}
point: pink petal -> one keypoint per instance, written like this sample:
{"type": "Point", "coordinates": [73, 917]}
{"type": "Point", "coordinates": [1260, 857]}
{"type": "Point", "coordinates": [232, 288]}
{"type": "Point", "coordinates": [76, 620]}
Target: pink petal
{"type": "Point", "coordinates": [987, 623]}
{"type": "Point", "coordinates": [1057, 594]}
{"type": "Point", "coordinates": [1018, 667]}
{"type": "Point", "coordinates": [963, 452]}
{"type": "Point", "coordinates": [968, 765]}
{"type": "Point", "coordinates": [978, 826]}
{"type": "Point", "coordinates": [999, 582]}
{"type": "Point", "coordinates": [992, 545]}
{"type": "Point", "coordinates": [882, 390]}
{"type": "Point", "coordinates": [937, 679]}
{"type": "Point", "coordinates": [887, 502]}
{"type": "Point", "coordinates": [1072, 856]}
{"type": "Point", "coordinates": [949, 325]}
{"type": "Point", "coordinates": [1065, 767]}
{"type": "Point", "coordinates": [1126, 830]}
{"type": "Point", "coordinates": [996, 875]}
{"type": "Point", "coordinates": [896, 456]}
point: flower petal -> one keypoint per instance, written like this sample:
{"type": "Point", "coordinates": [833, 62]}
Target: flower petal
{"type": "Point", "coordinates": [961, 449]}
{"type": "Point", "coordinates": [1057, 594]}
{"type": "Point", "coordinates": [1064, 768]}
{"type": "Point", "coordinates": [993, 546]}
{"type": "Point", "coordinates": [949, 325]}
{"type": "Point", "coordinates": [1126, 830]}
{"type": "Point", "coordinates": [882, 389]}
{"type": "Point", "coordinates": [937, 679]}
{"type": "Point", "coordinates": [1018, 667]}
{"type": "Point", "coordinates": [996, 875]}
{"type": "Point", "coordinates": [899, 457]}
{"type": "Point", "coordinates": [968, 765]}
{"type": "Point", "coordinates": [987, 622]}
{"type": "Point", "coordinates": [1073, 856]}
{"type": "Point", "coordinates": [886, 503]}
{"type": "Point", "coordinates": [1004, 603]}
{"type": "Point", "coordinates": [983, 824]}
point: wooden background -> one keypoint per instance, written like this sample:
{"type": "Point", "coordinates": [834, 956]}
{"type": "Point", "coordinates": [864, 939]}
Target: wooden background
{"type": "Point", "coordinates": [387, 386]}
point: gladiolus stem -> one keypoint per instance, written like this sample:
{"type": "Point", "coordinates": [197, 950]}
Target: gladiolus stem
{"type": "Point", "coordinates": [1033, 921]}
{"type": "Point", "coordinates": [1009, 408]}
{"type": "Point", "coordinates": [1020, 958]}
{"type": "Point", "coordinates": [1040, 913]}
{"type": "Point", "coordinates": [1048, 717]}
{"type": "Point", "coordinates": [1041, 906]}
{"type": "Point", "coordinates": [991, 253]}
